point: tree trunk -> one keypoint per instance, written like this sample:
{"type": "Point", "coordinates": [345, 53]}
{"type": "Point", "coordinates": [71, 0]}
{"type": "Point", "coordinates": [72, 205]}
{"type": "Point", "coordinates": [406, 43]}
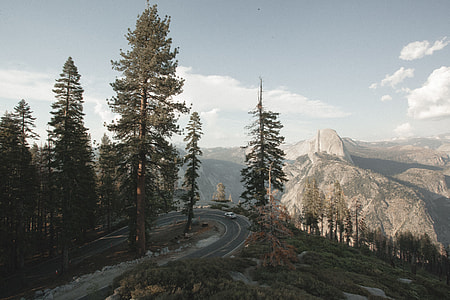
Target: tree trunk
{"type": "Point", "coordinates": [65, 255]}
{"type": "Point", "coordinates": [189, 220]}
{"type": "Point", "coordinates": [140, 210]}
{"type": "Point", "coordinates": [140, 195]}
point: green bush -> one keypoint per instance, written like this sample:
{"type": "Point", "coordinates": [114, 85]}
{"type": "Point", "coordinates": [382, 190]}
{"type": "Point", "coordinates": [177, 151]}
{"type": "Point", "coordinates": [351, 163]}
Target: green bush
{"type": "Point", "coordinates": [326, 270]}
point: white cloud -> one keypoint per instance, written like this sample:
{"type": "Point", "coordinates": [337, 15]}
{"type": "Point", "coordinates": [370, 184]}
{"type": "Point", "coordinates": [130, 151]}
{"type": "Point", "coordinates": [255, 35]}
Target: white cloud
{"type": "Point", "coordinates": [398, 76]}
{"type": "Point", "coordinates": [285, 102]}
{"type": "Point", "coordinates": [229, 95]}
{"type": "Point", "coordinates": [404, 130]}
{"type": "Point", "coordinates": [373, 86]}
{"type": "Point", "coordinates": [102, 109]}
{"type": "Point", "coordinates": [416, 50]}
{"type": "Point", "coordinates": [432, 100]}
{"type": "Point", "coordinates": [386, 98]}
{"type": "Point", "coordinates": [223, 104]}
{"type": "Point", "coordinates": [17, 84]}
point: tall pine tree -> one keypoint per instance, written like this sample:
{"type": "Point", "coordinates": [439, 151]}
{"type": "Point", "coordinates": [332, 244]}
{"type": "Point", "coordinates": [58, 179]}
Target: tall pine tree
{"type": "Point", "coordinates": [10, 193]}
{"type": "Point", "coordinates": [145, 104]}
{"type": "Point", "coordinates": [264, 152]}
{"type": "Point", "coordinates": [73, 169]}
{"type": "Point", "coordinates": [192, 159]}
{"type": "Point", "coordinates": [108, 189]}
{"type": "Point", "coordinates": [27, 176]}
{"type": "Point", "coordinates": [17, 186]}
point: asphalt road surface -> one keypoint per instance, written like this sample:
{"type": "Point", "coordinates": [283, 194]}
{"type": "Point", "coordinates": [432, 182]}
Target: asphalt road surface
{"type": "Point", "coordinates": [236, 231]}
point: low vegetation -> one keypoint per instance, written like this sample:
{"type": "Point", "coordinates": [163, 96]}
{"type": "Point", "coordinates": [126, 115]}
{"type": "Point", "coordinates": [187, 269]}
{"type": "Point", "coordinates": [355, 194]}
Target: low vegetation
{"type": "Point", "coordinates": [325, 270]}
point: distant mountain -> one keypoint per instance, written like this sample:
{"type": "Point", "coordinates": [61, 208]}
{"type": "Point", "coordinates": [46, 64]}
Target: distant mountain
{"type": "Point", "coordinates": [401, 184]}
{"type": "Point", "coordinates": [326, 141]}
{"type": "Point", "coordinates": [219, 165]}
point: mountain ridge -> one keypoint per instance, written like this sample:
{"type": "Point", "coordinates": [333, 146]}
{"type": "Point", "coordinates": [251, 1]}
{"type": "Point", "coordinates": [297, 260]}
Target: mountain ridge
{"type": "Point", "coordinates": [401, 184]}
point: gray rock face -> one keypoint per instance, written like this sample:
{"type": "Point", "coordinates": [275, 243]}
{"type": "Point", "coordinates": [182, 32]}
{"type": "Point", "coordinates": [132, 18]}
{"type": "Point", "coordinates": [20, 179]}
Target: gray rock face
{"type": "Point", "coordinates": [385, 203]}
{"type": "Point", "coordinates": [326, 141]}
{"type": "Point", "coordinates": [400, 187]}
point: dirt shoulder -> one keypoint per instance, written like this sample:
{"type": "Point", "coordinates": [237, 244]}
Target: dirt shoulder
{"type": "Point", "coordinates": [166, 243]}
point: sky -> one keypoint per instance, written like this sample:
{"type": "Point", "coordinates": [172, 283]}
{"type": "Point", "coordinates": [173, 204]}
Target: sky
{"type": "Point", "coordinates": [371, 70]}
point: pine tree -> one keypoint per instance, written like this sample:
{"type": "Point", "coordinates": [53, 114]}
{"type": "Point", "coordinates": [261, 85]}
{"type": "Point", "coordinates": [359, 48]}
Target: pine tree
{"type": "Point", "coordinates": [264, 152]}
{"type": "Point", "coordinates": [272, 229]}
{"type": "Point", "coordinates": [73, 169]}
{"type": "Point", "coordinates": [144, 102]}
{"type": "Point", "coordinates": [108, 189]}
{"type": "Point", "coordinates": [10, 165]}
{"type": "Point", "coordinates": [27, 176]}
{"type": "Point", "coordinates": [307, 208]}
{"type": "Point", "coordinates": [220, 193]}
{"type": "Point", "coordinates": [17, 185]}
{"type": "Point", "coordinates": [192, 159]}
{"type": "Point", "coordinates": [24, 115]}
{"type": "Point", "coordinates": [312, 206]}
{"type": "Point", "coordinates": [340, 209]}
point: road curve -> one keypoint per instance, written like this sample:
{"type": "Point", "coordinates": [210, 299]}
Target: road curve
{"type": "Point", "coordinates": [236, 231]}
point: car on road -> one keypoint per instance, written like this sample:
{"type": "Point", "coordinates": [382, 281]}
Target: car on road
{"type": "Point", "coordinates": [230, 215]}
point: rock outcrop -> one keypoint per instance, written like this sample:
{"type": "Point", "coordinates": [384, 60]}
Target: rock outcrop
{"type": "Point", "coordinates": [326, 141]}
{"type": "Point", "coordinates": [399, 187]}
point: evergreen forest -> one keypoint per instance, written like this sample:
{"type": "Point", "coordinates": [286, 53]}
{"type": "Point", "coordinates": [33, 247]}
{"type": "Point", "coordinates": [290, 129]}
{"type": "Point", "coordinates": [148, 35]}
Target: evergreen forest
{"type": "Point", "coordinates": [62, 193]}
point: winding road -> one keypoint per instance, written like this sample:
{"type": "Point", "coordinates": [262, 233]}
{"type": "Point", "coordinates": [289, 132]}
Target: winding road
{"type": "Point", "coordinates": [236, 231]}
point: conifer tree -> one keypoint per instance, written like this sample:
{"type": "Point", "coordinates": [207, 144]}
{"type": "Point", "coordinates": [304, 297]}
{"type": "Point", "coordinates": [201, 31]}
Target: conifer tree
{"type": "Point", "coordinates": [272, 229]}
{"type": "Point", "coordinates": [10, 165]}
{"type": "Point", "coordinates": [73, 170]}
{"type": "Point", "coordinates": [340, 208]}
{"type": "Point", "coordinates": [312, 206]}
{"type": "Point", "coordinates": [27, 175]}
{"type": "Point", "coordinates": [17, 185]}
{"type": "Point", "coordinates": [264, 152]}
{"type": "Point", "coordinates": [144, 101]}
{"type": "Point", "coordinates": [220, 193]}
{"type": "Point", "coordinates": [108, 189]}
{"type": "Point", "coordinates": [192, 159]}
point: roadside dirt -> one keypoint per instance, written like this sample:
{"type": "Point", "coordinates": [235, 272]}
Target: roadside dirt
{"type": "Point", "coordinates": [170, 237]}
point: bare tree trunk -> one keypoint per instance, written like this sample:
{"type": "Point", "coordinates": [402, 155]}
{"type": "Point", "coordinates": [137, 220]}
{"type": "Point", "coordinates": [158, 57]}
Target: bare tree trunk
{"type": "Point", "coordinates": [140, 210]}
{"type": "Point", "coordinates": [140, 196]}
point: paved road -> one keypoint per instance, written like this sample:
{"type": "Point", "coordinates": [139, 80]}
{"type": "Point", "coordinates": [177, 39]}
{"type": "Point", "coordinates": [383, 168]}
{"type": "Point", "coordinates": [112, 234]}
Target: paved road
{"type": "Point", "coordinates": [236, 231]}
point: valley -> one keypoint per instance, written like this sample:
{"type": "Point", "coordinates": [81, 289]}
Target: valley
{"type": "Point", "coordinates": [400, 185]}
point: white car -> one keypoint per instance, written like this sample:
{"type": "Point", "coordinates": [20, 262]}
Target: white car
{"type": "Point", "coordinates": [230, 215]}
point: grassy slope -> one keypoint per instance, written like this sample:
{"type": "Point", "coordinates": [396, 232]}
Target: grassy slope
{"type": "Point", "coordinates": [324, 272]}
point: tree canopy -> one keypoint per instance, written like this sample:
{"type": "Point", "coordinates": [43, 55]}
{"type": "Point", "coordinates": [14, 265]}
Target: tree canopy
{"type": "Point", "coordinates": [148, 113]}
{"type": "Point", "coordinates": [264, 153]}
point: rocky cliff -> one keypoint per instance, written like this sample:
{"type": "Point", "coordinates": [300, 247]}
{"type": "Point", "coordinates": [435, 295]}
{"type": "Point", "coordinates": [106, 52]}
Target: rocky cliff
{"type": "Point", "coordinates": [400, 186]}
{"type": "Point", "coordinates": [326, 141]}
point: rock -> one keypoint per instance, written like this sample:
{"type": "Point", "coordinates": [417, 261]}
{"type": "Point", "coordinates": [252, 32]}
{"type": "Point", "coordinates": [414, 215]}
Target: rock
{"type": "Point", "coordinates": [301, 256]}
{"type": "Point", "coordinates": [405, 280]}
{"type": "Point", "coordinates": [238, 276]}
{"type": "Point", "coordinates": [349, 296]}
{"type": "Point", "coordinates": [49, 296]}
{"type": "Point", "coordinates": [375, 292]}
{"type": "Point", "coordinates": [326, 141]}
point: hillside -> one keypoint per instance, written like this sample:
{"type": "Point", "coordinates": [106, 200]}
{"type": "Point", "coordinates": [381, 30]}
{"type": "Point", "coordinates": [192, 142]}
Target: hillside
{"type": "Point", "coordinates": [401, 185]}
{"type": "Point", "coordinates": [324, 270]}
